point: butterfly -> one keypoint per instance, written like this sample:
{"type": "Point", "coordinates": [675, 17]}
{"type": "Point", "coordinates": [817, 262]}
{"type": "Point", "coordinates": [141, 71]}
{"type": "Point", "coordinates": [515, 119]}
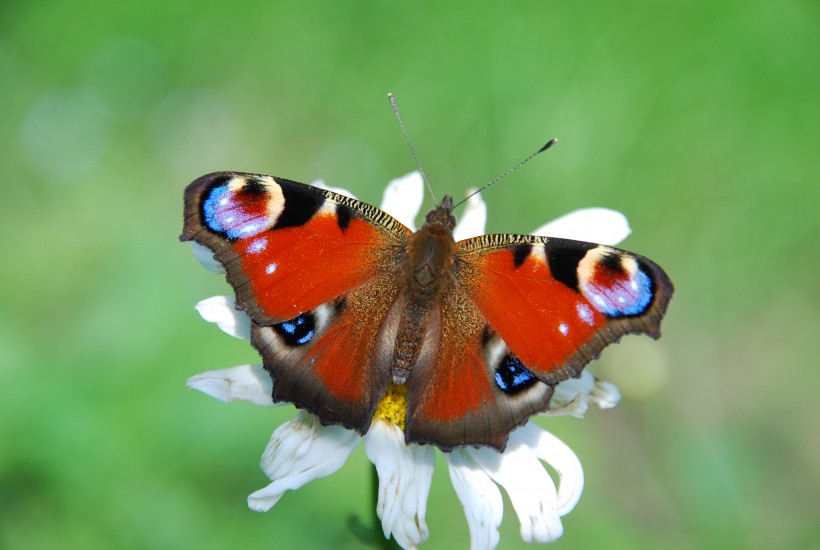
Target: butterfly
{"type": "Point", "coordinates": [345, 301]}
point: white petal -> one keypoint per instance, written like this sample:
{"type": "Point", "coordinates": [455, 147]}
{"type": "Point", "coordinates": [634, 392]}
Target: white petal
{"type": "Point", "coordinates": [480, 497]}
{"type": "Point", "coordinates": [405, 473]}
{"type": "Point", "coordinates": [557, 454]}
{"type": "Point", "coordinates": [204, 256]}
{"type": "Point", "coordinates": [573, 396]}
{"type": "Point", "coordinates": [594, 225]}
{"type": "Point", "coordinates": [605, 394]}
{"type": "Point", "coordinates": [528, 485]}
{"type": "Point", "coordinates": [300, 451]}
{"type": "Point", "coordinates": [403, 197]}
{"type": "Point", "coordinates": [222, 311]}
{"type": "Point", "coordinates": [245, 383]}
{"type": "Point", "coordinates": [474, 219]}
{"type": "Point", "coordinates": [340, 190]}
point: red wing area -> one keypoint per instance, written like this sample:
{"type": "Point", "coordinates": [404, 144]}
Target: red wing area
{"type": "Point", "coordinates": [472, 392]}
{"type": "Point", "coordinates": [458, 385]}
{"type": "Point", "coordinates": [288, 247]}
{"type": "Point", "coordinates": [558, 303]}
{"type": "Point", "coordinates": [329, 361]}
{"type": "Point", "coordinates": [295, 269]}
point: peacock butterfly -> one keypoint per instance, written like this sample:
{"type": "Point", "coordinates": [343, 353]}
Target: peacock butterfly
{"type": "Point", "coordinates": [345, 301]}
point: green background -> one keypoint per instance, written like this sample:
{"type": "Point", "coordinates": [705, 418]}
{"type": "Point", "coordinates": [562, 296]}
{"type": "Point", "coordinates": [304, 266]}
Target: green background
{"type": "Point", "coordinates": [698, 120]}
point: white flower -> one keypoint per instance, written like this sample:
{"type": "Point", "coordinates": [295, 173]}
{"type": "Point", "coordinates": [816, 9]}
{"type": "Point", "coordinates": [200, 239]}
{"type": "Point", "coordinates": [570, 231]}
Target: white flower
{"type": "Point", "coordinates": [302, 449]}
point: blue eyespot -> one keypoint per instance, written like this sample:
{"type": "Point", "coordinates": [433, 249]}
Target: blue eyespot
{"type": "Point", "coordinates": [629, 296]}
{"type": "Point", "coordinates": [512, 376]}
{"type": "Point", "coordinates": [226, 212]}
{"type": "Point", "coordinates": [298, 331]}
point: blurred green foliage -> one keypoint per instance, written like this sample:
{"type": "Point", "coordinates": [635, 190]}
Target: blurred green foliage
{"type": "Point", "coordinates": [698, 120]}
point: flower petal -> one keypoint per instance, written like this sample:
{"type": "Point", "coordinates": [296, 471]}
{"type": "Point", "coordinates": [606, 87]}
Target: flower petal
{"type": "Point", "coordinates": [483, 505]}
{"type": "Point", "coordinates": [573, 396]}
{"type": "Point", "coordinates": [300, 451]}
{"type": "Point", "coordinates": [222, 311]}
{"type": "Point", "coordinates": [405, 474]}
{"type": "Point", "coordinates": [204, 256]}
{"type": "Point", "coordinates": [340, 190]}
{"type": "Point", "coordinates": [557, 454]}
{"type": "Point", "coordinates": [474, 219]}
{"type": "Point", "coordinates": [245, 382]}
{"type": "Point", "coordinates": [403, 197]}
{"type": "Point", "coordinates": [595, 225]}
{"type": "Point", "coordinates": [529, 486]}
{"type": "Point", "coordinates": [605, 394]}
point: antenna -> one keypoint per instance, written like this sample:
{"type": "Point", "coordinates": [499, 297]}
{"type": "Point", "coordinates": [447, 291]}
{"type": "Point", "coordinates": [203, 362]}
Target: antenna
{"type": "Point", "coordinates": [546, 146]}
{"type": "Point", "coordinates": [409, 144]}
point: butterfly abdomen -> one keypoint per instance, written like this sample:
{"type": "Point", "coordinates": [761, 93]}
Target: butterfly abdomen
{"type": "Point", "coordinates": [426, 275]}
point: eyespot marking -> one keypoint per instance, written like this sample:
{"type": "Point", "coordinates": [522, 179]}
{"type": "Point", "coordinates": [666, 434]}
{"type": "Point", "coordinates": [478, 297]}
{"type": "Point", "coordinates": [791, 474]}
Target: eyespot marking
{"type": "Point", "coordinates": [298, 331]}
{"type": "Point", "coordinates": [512, 377]}
{"type": "Point", "coordinates": [240, 208]}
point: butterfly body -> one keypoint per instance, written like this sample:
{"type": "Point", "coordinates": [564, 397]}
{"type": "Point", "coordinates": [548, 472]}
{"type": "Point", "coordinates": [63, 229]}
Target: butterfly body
{"type": "Point", "coordinates": [345, 300]}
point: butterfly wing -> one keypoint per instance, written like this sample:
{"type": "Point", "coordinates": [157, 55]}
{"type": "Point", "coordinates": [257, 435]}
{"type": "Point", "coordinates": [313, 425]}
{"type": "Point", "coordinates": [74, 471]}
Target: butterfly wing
{"type": "Point", "coordinates": [525, 313]}
{"type": "Point", "coordinates": [288, 247]}
{"type": "Point", "coordinates": [312, 270]}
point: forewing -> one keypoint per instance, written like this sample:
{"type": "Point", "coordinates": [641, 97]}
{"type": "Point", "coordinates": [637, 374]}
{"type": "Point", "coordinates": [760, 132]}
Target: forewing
{"type": "Point", "coordinates": [287, 247]}
{"type": "Point", "coordinates": [557, 303]}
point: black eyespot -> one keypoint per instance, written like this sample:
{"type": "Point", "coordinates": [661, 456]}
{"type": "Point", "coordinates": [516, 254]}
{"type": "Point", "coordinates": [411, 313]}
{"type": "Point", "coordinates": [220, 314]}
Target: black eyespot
{"type": "Point", "coordinates": [298, 331]}
{"type": "Point", "coordinates": [512, 376]}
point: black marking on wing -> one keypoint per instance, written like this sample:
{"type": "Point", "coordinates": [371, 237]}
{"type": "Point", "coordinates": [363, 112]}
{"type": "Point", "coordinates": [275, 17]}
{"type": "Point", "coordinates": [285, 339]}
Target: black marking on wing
{"type": "Point", "coordinates": [520, 254]}
{"type": "Point", "coordinates": [300, 205]}
{"type": "Point", "coordinates": [512, 377]}
{"type": "Point", "coordinates": [564, 260]}
{"type": "Point", "coordinates": [298, 331]}
{"type": "Point", "coordinates": [344, 215]}
{"type": "Point", "coordinates": [612, 262]}
{"type": "Point", "coordinates": [253, 186]}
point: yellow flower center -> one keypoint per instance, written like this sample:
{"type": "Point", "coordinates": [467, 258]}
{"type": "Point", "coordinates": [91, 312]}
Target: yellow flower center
{"type": "Point", "coordinates": [393, 406]}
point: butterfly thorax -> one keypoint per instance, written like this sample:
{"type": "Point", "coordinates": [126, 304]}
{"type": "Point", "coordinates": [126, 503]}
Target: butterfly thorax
{"type": "Point", "coordinates": [427, 275]}
{"type": "Point", "coordinates": [430, 253]}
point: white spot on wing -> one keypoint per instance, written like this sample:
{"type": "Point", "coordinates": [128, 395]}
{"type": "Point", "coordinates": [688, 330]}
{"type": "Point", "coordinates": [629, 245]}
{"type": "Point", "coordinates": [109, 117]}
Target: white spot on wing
{"type": "Point", "coordinates": [585, 314]}
{"type": "Point", "coordinates": [270, 268]}
{"type": "Point", "coordinates": [564, 328]}
{"type": "Point", "coordinates": [258, 246]}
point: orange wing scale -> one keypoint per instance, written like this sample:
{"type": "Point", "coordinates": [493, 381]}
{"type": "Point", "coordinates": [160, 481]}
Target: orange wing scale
{"type": "Point", "coordinates": [296, 269]}
{"type": "Point", "coordinates": [540, 318]}
{"type": "Point", "coordinates": [456, 387]}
